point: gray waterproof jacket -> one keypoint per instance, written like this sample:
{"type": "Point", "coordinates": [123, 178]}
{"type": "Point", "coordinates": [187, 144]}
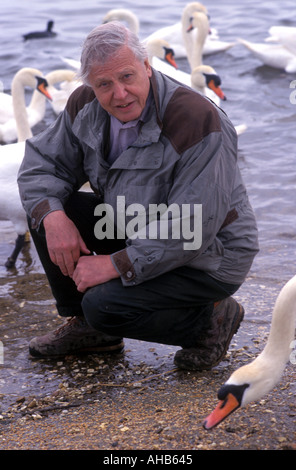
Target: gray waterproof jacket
{"type": "Point", "coordinates": [185, 158]}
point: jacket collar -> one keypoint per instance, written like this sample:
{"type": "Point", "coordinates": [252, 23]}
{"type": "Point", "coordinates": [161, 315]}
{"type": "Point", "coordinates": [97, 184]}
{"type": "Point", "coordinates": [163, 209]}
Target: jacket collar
{"type": "Point", "coordinates": [154, 86]}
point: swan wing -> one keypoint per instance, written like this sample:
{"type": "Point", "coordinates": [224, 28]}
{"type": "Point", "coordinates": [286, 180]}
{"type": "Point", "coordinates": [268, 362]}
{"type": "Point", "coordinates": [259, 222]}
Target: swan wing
{"type": "Point", "coordinates": [284, 35]}
{"type": "Point", "coordinates": [274, 55]}
{"type": "Point", "coordinates": [6, 108]}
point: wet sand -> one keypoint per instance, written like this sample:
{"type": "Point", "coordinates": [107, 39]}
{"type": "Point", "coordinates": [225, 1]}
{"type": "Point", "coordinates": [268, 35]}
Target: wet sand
{"type": "Point", "coordinates": [136, 400]}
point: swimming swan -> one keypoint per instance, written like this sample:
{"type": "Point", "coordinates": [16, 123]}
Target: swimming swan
{"type": "Point", "coordinates": [125, 16]}
{"type": "Point", "coordinates": [11, 209]}
{"type": "Point", "coordinates": [279, 49]}
{"type": "Point", "coordinates": [68, 82]}
{"type": "Point", "coordinates": [284, 35]}
{"type": "Point", "coordinates": [173, 34]}
{"type": "Point", "coordinates": [252, 381]}
{"type": "Point", "coordinates": [206, 80]}
{"type": "Point", "coordinates": [159, 53]}
{"type": "Point", "coordinates": [27, 116]}
{"type": "Point", "coordinates": [199, 23]}
{"type": "Point", "coordinates": [202, 78]}
{"type": "Point", "coordinates": [11, 156]}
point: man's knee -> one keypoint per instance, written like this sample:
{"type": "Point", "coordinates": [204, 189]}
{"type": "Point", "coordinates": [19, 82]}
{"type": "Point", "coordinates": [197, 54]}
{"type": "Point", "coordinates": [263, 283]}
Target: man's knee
{"type": "Point", "coordinates": [94, 306]}
{"type": "Point", "coordinates": [99, 307]}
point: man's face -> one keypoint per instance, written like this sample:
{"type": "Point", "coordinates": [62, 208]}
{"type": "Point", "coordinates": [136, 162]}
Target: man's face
{"type": "Point", "coordinates": [122, 84]}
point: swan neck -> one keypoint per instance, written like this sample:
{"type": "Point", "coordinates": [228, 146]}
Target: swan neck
{"type": "Point", "coordinates": [60, 75]}
{"type": "Point", "coordinates": [194, 41]}
{"type": "Point", "coordinates": [19, 108]}
{"type": "Point", "coordinates": [282, 331]}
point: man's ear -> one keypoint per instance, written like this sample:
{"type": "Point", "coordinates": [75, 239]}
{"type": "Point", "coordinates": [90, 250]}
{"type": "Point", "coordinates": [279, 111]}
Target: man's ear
{"type": "Point", "coordinates": [148, 67]}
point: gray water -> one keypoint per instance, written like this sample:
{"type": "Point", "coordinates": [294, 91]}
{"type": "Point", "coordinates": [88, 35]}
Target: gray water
{"type": "Point", "coordinates": [257, 96]}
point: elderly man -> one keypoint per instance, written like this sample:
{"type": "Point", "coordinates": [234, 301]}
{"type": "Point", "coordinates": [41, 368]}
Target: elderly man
{"type": "Point", "coordinates": [168, 234]}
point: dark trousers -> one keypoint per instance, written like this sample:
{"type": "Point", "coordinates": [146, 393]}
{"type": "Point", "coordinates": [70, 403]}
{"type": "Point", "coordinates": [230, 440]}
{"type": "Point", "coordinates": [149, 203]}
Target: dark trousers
{"type": "Point", "coordinates": [174, 308]}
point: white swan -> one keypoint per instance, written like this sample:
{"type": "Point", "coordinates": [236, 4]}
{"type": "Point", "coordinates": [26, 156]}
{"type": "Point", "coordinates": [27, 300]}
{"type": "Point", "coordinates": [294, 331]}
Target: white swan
{"type": "Point", "coordinates": [125, 16]}
{"type": "Point", "coordinates": [194, 45]}
{"type": "Point", "coordinates": [11, 209]}
{"type": "Point", "coordinates": [206, 80]}
{"type": "Point", "coordinates": [284, 35]}
{"type": "Point", "coordinates": [202, 78]}
{"type": "Point", "coordinates": [200, 21]}
{"type": "Point", "coordinates": [173, 34]}
{"type": "Point", "coordinates": [11, 156]}
{"type": "Point", "coordinates": [6, 107]}
{"type": "Point", "coordinates": [30, 116]}
{"type": "Point", "coordinates": [252, 381]}
{"type": "Point", "coordinates": [278, 56]}
{"type": "Point", "coordinates": [68, 83]}
{"type": "Point", "coordinates": [159, 53]}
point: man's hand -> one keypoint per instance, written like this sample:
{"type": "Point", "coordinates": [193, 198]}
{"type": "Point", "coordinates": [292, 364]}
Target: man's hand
{"type": "Point", "coordinates": [93, 270]}
{"type": "Point", "coordinates": [64, 241]}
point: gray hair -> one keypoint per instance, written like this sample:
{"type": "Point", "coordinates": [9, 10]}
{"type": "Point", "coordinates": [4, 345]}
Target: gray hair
{"type": "Point", "coordinates": [103, 42]}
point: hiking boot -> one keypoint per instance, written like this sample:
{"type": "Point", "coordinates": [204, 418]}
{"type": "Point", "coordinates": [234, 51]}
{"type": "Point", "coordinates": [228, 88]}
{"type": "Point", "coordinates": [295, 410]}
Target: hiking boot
{"type": "Point", "coordinates": [74, 337]}
{"type": "Point", "coordinates": [212, 346]}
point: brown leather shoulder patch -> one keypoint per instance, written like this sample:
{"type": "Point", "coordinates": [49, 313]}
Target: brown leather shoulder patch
{"type": "Point", "coordinates": [79, 98]}
{"type": "Point", "coordinates": [189, 117]}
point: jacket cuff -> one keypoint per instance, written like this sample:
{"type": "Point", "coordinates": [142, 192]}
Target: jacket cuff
{"type": "Point", "coordinates": [41, 210]}
{"type": "Point", "coordinates": [123, 265]}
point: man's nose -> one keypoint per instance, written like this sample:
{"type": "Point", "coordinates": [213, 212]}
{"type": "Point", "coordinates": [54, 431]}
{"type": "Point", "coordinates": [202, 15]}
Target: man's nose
{"type": "Point", "coordinates": [119, 91]}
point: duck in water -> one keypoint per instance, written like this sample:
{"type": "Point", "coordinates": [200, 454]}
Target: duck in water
{"type": "Point", "coordinates": [48, 33]}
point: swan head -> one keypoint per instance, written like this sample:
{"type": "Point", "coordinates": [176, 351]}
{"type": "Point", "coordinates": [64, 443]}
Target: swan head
{"type": "Point", "coordinates": [161, 48]}
{"type": "Point", "coordinates": [213, 82]}
{"type": "Point", "coordinates": [252, 381]}
{"type": "Point", "coordinates": [169, 56]}
{"type": "Point", "coordinates": [205, 76]}
{"type": "Point", "coordinates": [42, 85]}
{"type": "Point", "coordinates": [230, 398]}
{"type": "Point", "coordinates": [247, 384]}
{"type": "Point", "coordinates": [192, 7]}
{"type": "Point", "coordinates": [199, 20]}
{"type": "Point", "coordinates": [123, 15]}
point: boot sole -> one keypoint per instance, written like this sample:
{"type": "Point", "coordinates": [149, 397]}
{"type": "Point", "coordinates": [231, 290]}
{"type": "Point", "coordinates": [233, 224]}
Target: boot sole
{"type": "Point", "coordinates": [109, 348]}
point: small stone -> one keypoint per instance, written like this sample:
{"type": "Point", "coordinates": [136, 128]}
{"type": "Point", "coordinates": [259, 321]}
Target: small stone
{"type": "Point", "coordinates": [124, 429]}
{"type": "Point", "coordinates": [32, 404]}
